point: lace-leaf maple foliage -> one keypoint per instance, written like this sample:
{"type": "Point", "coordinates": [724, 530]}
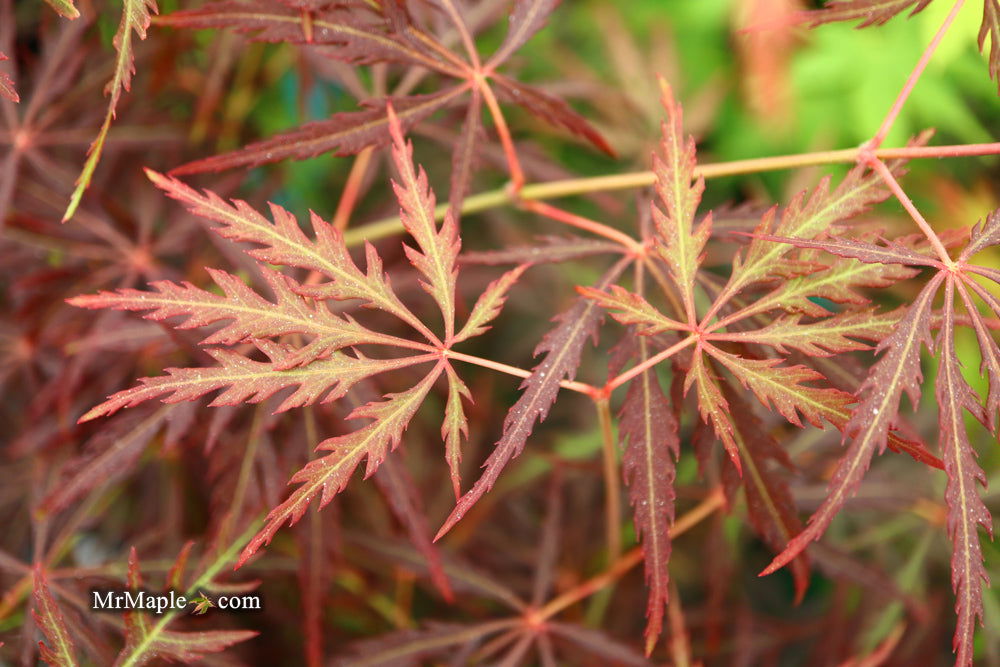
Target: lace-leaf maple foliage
{"type": "Point", "coordinates": [798, 392]}
{"type": "Point", "coordinates": [796, 299]}
{"type": "Point", "coordinates": [366, 33]}
{"type": "Point", "coordinates": [324, 369]}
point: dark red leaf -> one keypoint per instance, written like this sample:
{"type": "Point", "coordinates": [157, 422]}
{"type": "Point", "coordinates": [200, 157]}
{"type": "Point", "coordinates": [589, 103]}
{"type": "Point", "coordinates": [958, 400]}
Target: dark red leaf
{"type": "Point", "coordinates": [563, 347]}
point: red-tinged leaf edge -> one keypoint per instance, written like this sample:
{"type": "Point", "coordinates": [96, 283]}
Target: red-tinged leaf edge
{"type": "Point", "coordinates": [526, 19]}
{"type": "Point", "coordinates": [345, 133]}
{"type": "Point", "coordinates": [563, 347]}
{"type": "Point", "coordinates": [862, 251]}
{"type": "Point", "coordinates": [393, 478]}
{"type": "Point", "coordinates": [550, 109]}
{"type": "Point", "coordinates": [648, 433]}
{"type": "Point", "coordinates": [7, 84]}
{"type": "Point", "coordinates": [60, 651]}
{"type": "Point", "coordinates": [898, 371]}
{"type": "Point", "coordinates": [966, 510]}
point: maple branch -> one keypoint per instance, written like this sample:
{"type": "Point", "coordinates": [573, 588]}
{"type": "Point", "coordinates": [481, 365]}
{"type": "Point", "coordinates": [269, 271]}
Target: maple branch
{"type": "Point", "coordinates": [904, 199]}
{"type": "Point", "coordinates": [580, 387]}
{"type": "Point", "coordinates": [621, 379]}
{"type": "Point", "coordinates": [503, 196]}
{"type": "Point", "coordinates": [612, 486]}
{"type": "Point", "coordinates": [918, 70]}
{"type": "Point", "coordinates": [704, 509]}
{"type": "Point", "coordinates": [513, 163]}
{"type": "Point", "coordinates": [559, 215]}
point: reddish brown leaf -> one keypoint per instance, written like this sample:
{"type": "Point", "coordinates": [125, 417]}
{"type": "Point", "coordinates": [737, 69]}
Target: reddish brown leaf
{"type": "Point", "coordinates": [550, 109]}
{"type": "Point", "coordinates": [648, 434]}
{"type": "Point", "coordinates": [680, 242]}
{"type": "Point", "coordinates": [563, 347]}
{"type": "Point", "coordinates": [805, 219]}
{"type": "Point", "coordinates": [823, 338]}
{"type": "Point", "coordinates": [399, 489]}
{"type": "Point", "coordinates": [632, 309]}
{"type": "Point", "coordinates": [527, 18]}
{"type": "Point", "coordinates": [438, 248]}
{"type": "Point", "coordinates": [135, 19]}
{"type": "Point", "coordinates": [327, 476]}
{"type": "Point", "coordinates": [769, 500]}
{"type": "Point", "coordinates": [249, 381]}
{"type": "Point", "coordinates": [712, 406]}
{"type": "Point", "coordinates": [464, 155]}
{"type": "Point", "coordinates": [409, 648]}
{"type": "Point", "coordinates": [966, 511]}
{"type": "Point", "coordinates": [489, 304]}
{"type": "Point", "coordinates": [344, 133]}
{"type": "Point", "coordinates": [7, 84]}
{"type": "Point", "coordinates": [455, 427]}
{"type": "Point", "coordinates": [898, 371]}
{"type": "Point", "coordinates": [598, 644]}
{"type": "Point", "coordinates": [781, 388]}
{"type": "Point", "coordinates": [109, 456]}
{"type": "Point", "coordinates": [60, 651]}
{"type": "Point", "coordinates": [357, 37]}
{"type": "Point", "coordinates": [869, 253]}
{"type": "Point", "coordinates": [285, 243]}
{"type": "Point", "coordinates": [988, 349]}
{"type": "Point", "coordinates": [984, 235]}
{"type": "Point", "coordinates": [251, 315]}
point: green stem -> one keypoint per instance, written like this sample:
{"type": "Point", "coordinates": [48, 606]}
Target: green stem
{"type": "Point", "coordinates": [576, 186]}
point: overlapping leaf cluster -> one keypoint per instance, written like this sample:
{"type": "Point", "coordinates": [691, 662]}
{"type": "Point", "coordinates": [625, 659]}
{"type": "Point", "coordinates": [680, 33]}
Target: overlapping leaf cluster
{"type": "Point", "coordinates": [764, 334]}
{"type": "Point", "coordinates": [315, 326]}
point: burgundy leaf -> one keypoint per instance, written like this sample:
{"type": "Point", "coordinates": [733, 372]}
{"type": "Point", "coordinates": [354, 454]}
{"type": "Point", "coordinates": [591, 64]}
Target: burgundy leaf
{"type": "Point", "coordinates": [109, 456]}
{"type": "Point", "coordinates": [869, 253]}
{"type": "Point", "coordinates": [898, 371]}
{"type": "Point", "coordinates": [7, 84]}
{"type": "Point", "coordinates": [395, 481]}
{"type": "Point", "coordinates": [984, 235]}
{"type": "Point", "coordinates": [648, 434]}
{"type": "Point", "coordinates": [563, 347]}
{"type": "Point", "coordinates": [988, 349]}
{"type": "Point", "coordinates": [356, 37]}
{"type": "Point", "coordinates": [966, 511]}
{"type": "Point", "coordinates": [769, 500]}
{"type": "Point", "coordinates": [327, 476]}
{"type": "Point", "coordinates": [343, 133]}
{"type": "Point", "coordinates": [408, 648]}
{"type": "Point", "coordinates": [528, 17]}
{"type": "Point", "coordinates": [550, 109]}
{"type": "Point", "coordinates": [464, 155]}
{"type": "Point", "coordinates": [60, 651]}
